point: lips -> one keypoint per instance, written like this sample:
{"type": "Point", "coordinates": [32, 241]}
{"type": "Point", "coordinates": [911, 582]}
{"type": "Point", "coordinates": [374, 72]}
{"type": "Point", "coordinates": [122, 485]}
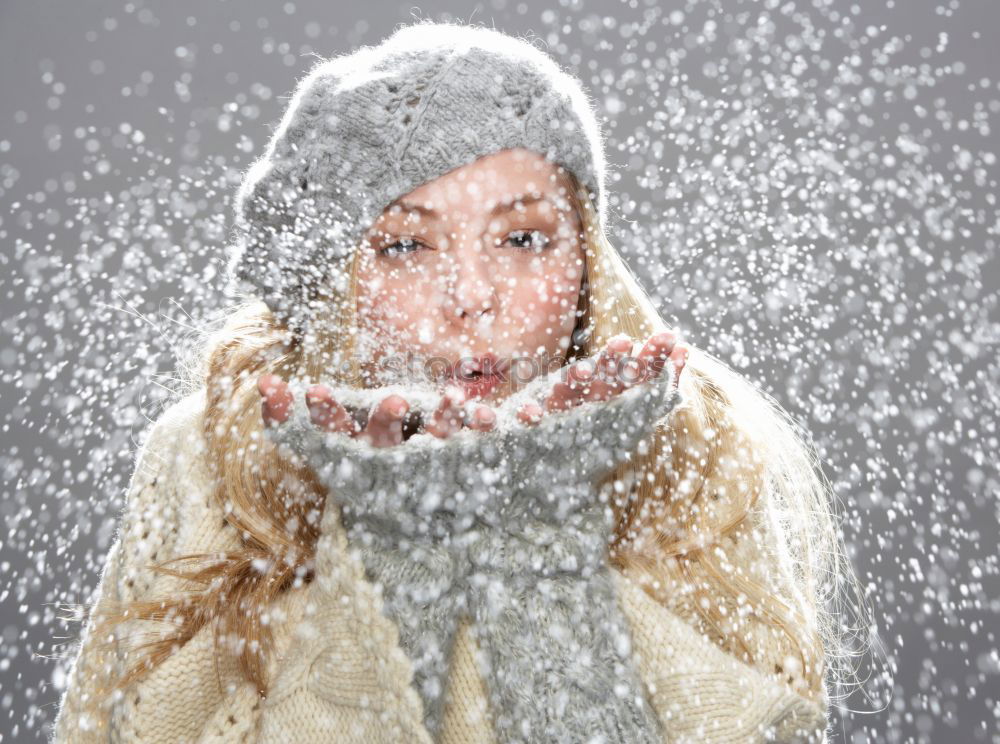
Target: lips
{"type": "Point", "coordinates": [480, 365]}
{"type": "Point", "coordinates": [479, 375]}
{"type": "Point", "coordinates": [480, 387]}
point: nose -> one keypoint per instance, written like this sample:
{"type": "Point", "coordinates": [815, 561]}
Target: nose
{"type": "Point", "coordinates": [471, 294]}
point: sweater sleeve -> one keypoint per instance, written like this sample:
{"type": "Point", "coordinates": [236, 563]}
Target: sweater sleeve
{"type": "Point", "coordinates": [700, 691]}
{"type": "Point", "coordinates": [703, 694]}
{"type": "Point", "coordinates": [147, 533]}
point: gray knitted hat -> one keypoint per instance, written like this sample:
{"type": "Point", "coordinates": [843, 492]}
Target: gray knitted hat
{"type": "Point", "coordinates": [366, 128]}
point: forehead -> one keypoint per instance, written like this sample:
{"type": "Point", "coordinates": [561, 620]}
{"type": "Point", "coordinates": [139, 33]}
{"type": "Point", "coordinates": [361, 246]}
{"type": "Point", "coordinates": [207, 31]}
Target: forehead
{"type": "Point", "coordinates": [487, 183]}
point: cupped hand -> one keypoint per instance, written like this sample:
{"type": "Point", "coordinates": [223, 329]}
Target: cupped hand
{"type": "Point", "coordinates": [593, 379]}
{"type": "Point", "coordinates": [385, 424]}
{"type": "Point", "coordinates": [613, 371]}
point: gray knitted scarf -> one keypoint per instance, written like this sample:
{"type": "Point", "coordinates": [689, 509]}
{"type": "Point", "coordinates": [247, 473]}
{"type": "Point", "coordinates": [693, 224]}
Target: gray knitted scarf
{"type": "Point", "coordinates": [509, 528]}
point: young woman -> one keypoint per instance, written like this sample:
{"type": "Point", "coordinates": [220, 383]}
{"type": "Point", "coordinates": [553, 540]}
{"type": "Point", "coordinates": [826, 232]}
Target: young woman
{"type": "Point", "coordinates": [442, 478]}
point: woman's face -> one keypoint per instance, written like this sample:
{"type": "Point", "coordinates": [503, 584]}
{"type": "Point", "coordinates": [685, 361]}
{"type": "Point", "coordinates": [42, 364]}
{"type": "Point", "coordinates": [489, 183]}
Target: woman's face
{"type": "Point", "coordinates": [473, 270]}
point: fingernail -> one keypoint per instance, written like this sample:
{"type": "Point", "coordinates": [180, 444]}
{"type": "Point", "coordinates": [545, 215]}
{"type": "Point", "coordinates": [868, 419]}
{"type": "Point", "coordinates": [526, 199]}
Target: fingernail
{"type": "Point", "coordinates": [630, 372]}
{"type": "Point", "coordinates": [532, 413]}
{"type": "Point", "coordinates": [621, 344]}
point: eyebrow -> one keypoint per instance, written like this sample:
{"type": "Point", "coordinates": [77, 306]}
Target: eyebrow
{"type": "Point", "coordinates": [504, 205]}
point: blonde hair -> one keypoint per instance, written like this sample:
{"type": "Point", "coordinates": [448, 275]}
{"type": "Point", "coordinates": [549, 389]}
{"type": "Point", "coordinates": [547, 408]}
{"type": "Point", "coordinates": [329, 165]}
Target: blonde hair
{"type": "Point", "coordinates": [725, 451]}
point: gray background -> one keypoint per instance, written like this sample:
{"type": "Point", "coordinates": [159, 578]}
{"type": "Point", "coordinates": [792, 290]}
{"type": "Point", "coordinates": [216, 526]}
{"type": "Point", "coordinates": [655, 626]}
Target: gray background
{"type": "Point", "coordinates": [885, 350]}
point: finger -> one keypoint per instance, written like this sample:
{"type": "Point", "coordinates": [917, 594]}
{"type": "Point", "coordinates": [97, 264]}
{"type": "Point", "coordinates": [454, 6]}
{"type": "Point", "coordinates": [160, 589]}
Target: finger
{"type": "Point", "coordinates": [326, 413]}
{"type": "Point", "coordinates": [599, 390]}
{"type": "Point", "coordinates": [530, 414]}
{"type": "Point", "coordinates": [385, 425]}
{"type": "Point", "coordinates": [616, 352]}
{"type": "Point", "coordinates": [276, 402]}
{"type": "Point", "coordinates": [448, 416]}
{"type": "Point", "coordinates": [601, 368]}
{"type": "Point", "coordinates": [580, 378]}
{"type": "Point", "coordinates": [655, 353]}
{"type": "Point", "coordinates": [561, 397]}
{"type": "Point", "coordinates": [581, 373]}
{"type": "Point", "coordinates": [679, 358]}
{"type": "Point", "coordinates": [483, 419]}
{"type": "Point", "coordinates": [619, 345]}
{"type": "Point", "coordinates": [629, 373]}
{"type": "Point", "coordinates": [587, 378]}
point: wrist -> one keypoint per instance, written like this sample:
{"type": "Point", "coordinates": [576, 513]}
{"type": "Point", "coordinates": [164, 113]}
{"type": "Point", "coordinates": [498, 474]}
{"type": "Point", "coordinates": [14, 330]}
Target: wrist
{"type": "Point", "coordinates": [570, 450]}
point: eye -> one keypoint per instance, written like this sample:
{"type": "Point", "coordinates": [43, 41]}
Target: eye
{"type": "Point", "coordinates": [399, 248]}
{"type": "Point", "coordinates": [532, 241]}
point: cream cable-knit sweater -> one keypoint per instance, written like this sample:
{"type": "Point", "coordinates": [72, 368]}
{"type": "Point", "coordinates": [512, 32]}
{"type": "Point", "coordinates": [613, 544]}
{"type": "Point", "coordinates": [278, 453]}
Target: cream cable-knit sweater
{"type": "Point", "coordinates": [360, 688]}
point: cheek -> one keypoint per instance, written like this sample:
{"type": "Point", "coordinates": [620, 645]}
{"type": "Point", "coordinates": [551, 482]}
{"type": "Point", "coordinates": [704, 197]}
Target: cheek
{"type": "Point", "coordinates": [544, 302]}
{"type": "Point", "coordinates": [383, 304]}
